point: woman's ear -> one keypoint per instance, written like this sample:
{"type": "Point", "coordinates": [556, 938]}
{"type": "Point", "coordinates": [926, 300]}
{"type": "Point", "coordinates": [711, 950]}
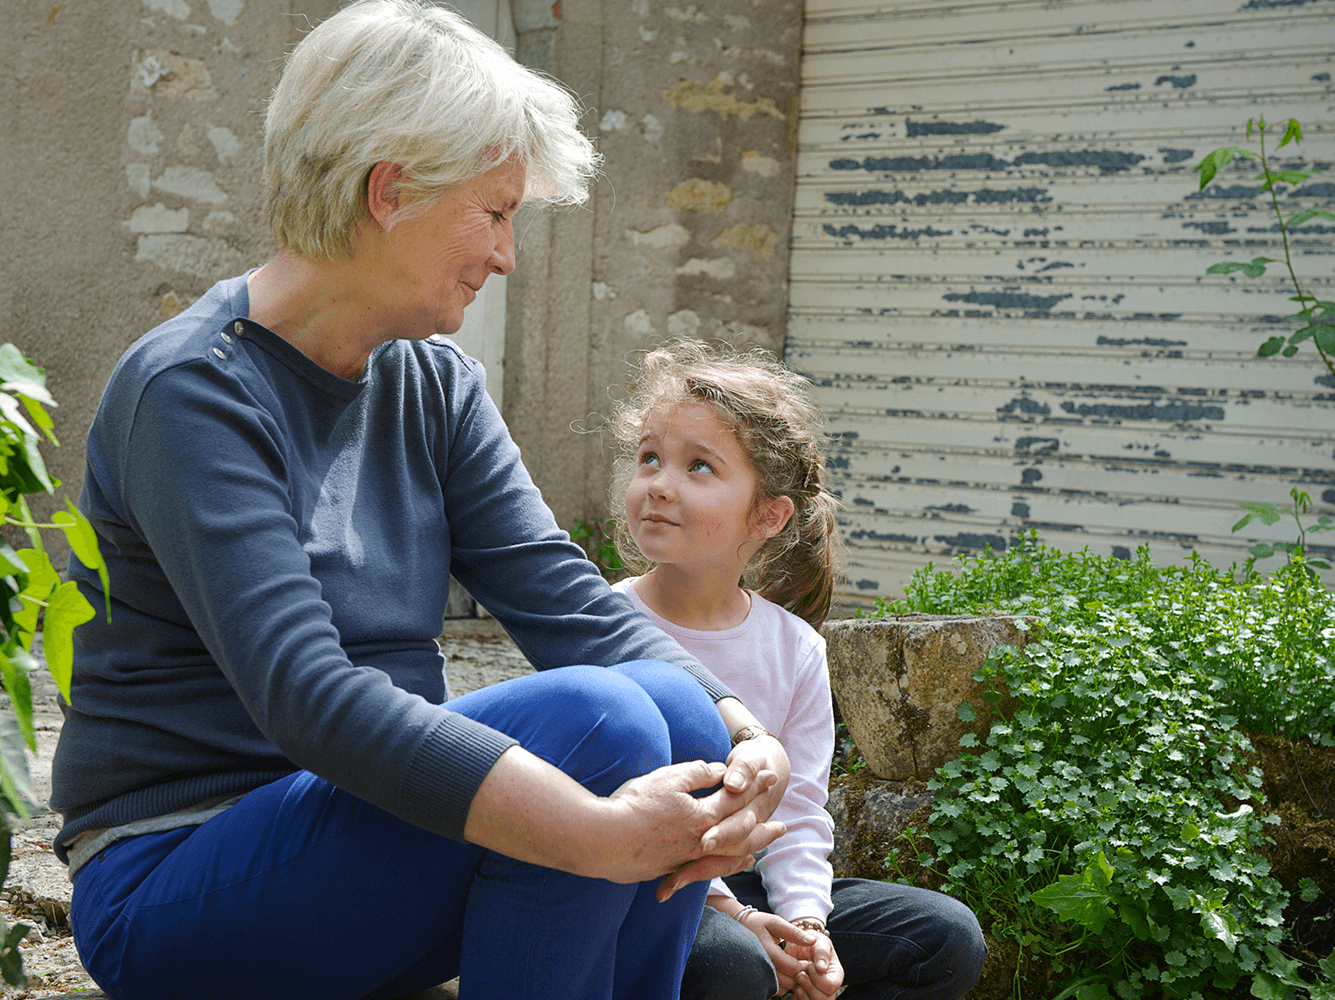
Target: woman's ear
{"type": "Point", "coordinates": [771, 515]}
{"type": "Point", "coordinates": [382, 193]}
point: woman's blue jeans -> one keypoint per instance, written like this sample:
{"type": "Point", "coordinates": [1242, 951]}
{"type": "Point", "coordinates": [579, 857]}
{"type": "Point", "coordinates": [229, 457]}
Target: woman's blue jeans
{"type": "Point", "coordinates": [302, 890]}
{"type": "Point", "coordinates": [895, 942]}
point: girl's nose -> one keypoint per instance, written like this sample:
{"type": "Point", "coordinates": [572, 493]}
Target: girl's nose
{"type": "Point", "coordinates": [661, 486]}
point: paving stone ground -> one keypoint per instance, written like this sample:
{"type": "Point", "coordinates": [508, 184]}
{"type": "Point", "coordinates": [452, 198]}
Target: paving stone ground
{"type": "Point", "coordinates": [37, 891]}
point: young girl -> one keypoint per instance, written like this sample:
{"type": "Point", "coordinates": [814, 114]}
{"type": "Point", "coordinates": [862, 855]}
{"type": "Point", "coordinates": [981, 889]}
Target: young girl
{"type": "Point", "coordinates": [720, 480]}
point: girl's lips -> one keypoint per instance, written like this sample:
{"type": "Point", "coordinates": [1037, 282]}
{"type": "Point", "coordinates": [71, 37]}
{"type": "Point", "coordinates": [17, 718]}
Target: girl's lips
{"type": "Point", "coordinates": [657, 519]}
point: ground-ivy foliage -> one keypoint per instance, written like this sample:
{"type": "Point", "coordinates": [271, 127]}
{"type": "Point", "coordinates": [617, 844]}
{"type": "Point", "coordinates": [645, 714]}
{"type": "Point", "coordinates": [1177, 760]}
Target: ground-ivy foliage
{"type": "Point", "coordinates": [1112, 824]}
{"type": "Point", "coordinates": [32, 597]}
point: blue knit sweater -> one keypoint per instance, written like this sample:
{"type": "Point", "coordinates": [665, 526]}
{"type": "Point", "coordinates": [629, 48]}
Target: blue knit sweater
{"type": "Point", "coordinates": [279, 542]}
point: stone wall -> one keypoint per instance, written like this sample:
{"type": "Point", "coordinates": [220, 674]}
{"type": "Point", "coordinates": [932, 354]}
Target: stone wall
{"type": "Point", "coordinates": [132, 153]}
{"type": "Point", "coordinates": [694, 107]}
{"type": "Point", "coordinates": [132, 150]}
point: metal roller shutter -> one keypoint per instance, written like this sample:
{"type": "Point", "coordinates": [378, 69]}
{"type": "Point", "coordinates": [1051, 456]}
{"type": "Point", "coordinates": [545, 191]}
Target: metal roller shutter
{"type": "Point", "coordinates": [997, 274]}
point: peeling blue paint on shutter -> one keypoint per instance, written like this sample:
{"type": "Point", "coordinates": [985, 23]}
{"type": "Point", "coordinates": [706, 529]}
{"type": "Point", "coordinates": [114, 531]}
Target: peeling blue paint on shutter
{"type": "Point", "coordinates": [997, 275]}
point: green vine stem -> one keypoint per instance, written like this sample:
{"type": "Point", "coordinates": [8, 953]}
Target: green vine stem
{"type": "Point", "coordinates": [1319, 316]}
{"type": "Point", "coordinates": [1301, 298]}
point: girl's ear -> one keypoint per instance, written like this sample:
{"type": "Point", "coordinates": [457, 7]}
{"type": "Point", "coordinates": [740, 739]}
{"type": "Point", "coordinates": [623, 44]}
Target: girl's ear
{"type": "Point", "coordinates": [382, 192]}
{"type": "Point", "coordinates": [770, 516]}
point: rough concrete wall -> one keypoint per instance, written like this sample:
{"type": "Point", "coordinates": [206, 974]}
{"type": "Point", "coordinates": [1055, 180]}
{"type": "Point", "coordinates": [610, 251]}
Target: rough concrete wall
{"type": "Point", "coordinates": [132, 150]}
{"type": "Point", "coordinates": [132, 153]}
{"type": "Point", "coordinates": [688, 232]}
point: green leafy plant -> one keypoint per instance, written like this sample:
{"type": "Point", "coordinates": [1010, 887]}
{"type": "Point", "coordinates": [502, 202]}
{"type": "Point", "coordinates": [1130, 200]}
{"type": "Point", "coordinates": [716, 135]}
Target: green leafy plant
{"type": "Point", "coordinates": [848, 760]}
{"type": "Point", "coordinates": [1316, 316]}
{"type": "Point", "coordinates": [1269, 513]}
{"type": "Point", "coordinates": [1111, 825]}
{"type": "Point", "coordinates": [31, 590]}
{"type": "Point", "coordinates": [596, 539]}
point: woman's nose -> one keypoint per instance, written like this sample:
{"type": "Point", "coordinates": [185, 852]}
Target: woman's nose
{"type": "Point", "coordinates": [503, 257]}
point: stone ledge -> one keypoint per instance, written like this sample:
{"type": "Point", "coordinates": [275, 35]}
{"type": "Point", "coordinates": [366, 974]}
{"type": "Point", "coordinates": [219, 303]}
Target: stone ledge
{"type": "Point", "coordinates": [900, 681]}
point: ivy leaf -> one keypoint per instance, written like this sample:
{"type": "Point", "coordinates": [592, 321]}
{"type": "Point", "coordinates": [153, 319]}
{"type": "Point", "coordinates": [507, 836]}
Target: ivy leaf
{"type": "Point", "coordinates": [1270, 347]}
{"type": "Point", "coordinates": [965, 712]}
{"type": "Point", "coordinates": [1324, 337]}
{"type": "Point", "coordinates": [11, 959]}
{"type": "Point", "coordinates": [1267, 512]}
{"type": "Point", "coordinates": [19, 375]}
{"type": "Point", "coordinates": [14, 669]}
{"type": "Point", "coordinates": [1254, 269]}
{"type": "Point", "coordinates": [1218, 159]}
{"type": "Point", "coordinates": [66, 610]}
{"type": "Point", "coordinates": [1221, 924]}
{"type": "Point", "coordinates": [1308, 213]}
{"type": "Point", "coordinates": [1137, 920]}
{"type": "Point", "coordinates": [42, 579]}
{"type": "Point", "coordinates": [1294, 177]}
{"type": "Point", "coordinates": [1083, 898]}
{"type": "Point", "coordinates": [15, 782]}
{"type": "Point", "coordinates": [83, 540]}
{"type": "Point", "coordinates": [1268, 987]}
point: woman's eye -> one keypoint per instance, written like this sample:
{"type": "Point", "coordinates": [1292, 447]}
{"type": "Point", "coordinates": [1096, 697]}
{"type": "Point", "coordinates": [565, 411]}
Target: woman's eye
{"type": "Point", "coordinates": [649, 458]}
{"type": "Point", "coordinates": [700, 465]}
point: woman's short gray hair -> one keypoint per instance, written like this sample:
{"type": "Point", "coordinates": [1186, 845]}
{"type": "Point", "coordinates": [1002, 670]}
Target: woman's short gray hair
{"type": "Point", "coordinates": [413, 84]}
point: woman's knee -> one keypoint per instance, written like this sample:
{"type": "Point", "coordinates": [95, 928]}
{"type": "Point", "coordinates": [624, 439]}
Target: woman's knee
{"type": "Point", "coordinates": [594, 724]}
{"type": "Point", "coordinates": [696, 728]}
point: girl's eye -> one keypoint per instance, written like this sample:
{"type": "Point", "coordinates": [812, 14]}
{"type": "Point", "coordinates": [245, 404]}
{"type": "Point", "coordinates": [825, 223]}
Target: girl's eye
{"type": "Point", "coordinates": [700, 465]}
{"type": "Point", "coordinates": [649, 458]}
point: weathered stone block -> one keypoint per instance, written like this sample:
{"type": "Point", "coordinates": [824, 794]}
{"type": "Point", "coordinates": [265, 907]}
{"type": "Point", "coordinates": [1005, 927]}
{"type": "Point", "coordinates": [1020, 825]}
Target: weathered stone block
{"type": "Point", "coordinates": [875, 809]}
{"type": "Point", "coordinates": [900, 681]}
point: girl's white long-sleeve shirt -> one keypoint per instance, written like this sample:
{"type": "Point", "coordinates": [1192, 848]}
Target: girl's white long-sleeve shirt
{"type": "Point", "coordinates": [775, 663]}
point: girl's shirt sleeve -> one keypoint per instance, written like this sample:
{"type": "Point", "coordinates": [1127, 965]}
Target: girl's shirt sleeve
{"type": "Point", "coordinates": [795, 869]}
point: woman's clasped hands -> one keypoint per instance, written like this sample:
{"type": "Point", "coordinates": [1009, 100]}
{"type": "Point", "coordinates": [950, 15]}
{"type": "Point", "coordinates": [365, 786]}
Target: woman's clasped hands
{"type": "Point", "coordinates": [664, 828]}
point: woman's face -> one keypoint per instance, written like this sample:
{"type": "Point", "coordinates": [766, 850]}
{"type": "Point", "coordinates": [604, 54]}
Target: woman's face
{"type": "Point", "coordinates": [440, 259]}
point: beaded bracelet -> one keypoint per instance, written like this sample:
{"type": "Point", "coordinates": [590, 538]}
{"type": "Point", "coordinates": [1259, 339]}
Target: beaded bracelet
{"type": "Point", "coordinates": [810, 924]}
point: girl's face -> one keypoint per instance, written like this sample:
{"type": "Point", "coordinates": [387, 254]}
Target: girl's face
{"type": "Point", "coordinates": [692, 501]}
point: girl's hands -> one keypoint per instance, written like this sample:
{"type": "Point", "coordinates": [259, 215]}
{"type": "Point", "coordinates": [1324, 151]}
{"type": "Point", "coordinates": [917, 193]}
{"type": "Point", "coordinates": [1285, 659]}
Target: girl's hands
{"type": "Point", "coordinates": [822, 973]}
{"type": "Point", "coordinates": [804, 960]}
{"type": "Point", "coordinates": [753, 757]}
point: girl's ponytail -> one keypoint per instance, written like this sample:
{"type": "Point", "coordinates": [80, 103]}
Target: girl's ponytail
{"type": "Point", "coordinates": [800, 573]}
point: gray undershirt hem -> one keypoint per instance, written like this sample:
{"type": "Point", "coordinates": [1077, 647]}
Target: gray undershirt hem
{"type": "Point", "coordinates": [86, 845]}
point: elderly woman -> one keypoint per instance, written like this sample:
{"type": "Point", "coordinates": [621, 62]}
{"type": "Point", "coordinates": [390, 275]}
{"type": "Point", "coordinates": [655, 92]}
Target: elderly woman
{"type": "Point", "coordinates": [283, 478]}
